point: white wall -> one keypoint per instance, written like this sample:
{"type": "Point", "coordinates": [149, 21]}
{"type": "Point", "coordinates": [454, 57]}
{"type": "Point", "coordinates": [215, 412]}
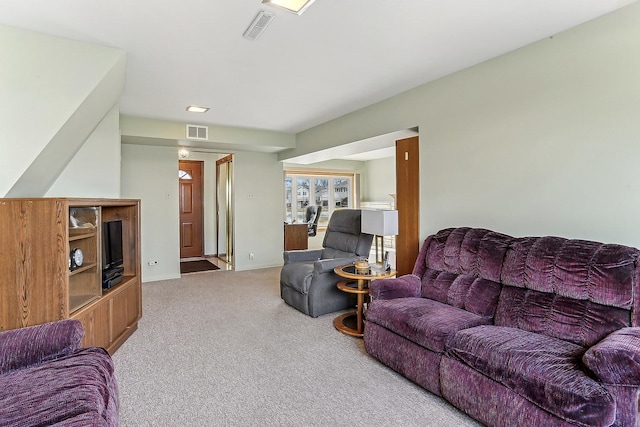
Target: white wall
{"type": "Point", "coordinates": [95, 169]}
{"type": "Point", "coordinates": [543, 140]}
{"type": "Point", "coordinates": [258, 210]}
{"type": "Point", "coordinates": [151, 174]}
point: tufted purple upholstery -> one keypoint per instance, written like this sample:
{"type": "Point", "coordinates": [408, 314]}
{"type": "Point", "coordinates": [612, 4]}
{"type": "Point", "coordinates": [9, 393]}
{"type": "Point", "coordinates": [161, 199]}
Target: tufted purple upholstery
{"type": "Point", "coordinates": [541, 368]}
{"type": "Point", "coordinates": [46, 379]}
{"type": "Point", "coordinates": [571, 289]}
{"type": "Point", "coordinates": [544, 323]}
{"type": "Point", "coordinates": [578, 321]}
{"type": "Point", "coordinates": [426, 322]}
{"type": "Point", "coordinates": [616, 359]}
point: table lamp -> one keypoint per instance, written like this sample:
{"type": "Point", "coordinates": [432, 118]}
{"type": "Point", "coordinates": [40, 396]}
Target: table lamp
{"type": "Point", "coordinates": [380, 223]}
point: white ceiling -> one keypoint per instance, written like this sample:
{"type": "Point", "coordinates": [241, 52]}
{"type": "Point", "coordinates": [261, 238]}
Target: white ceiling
{"type": "Point", "coordinates": [339, 56]}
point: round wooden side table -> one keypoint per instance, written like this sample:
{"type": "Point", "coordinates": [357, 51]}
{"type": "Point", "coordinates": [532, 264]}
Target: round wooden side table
{"type": "Point", "coordinates": [352, 323]}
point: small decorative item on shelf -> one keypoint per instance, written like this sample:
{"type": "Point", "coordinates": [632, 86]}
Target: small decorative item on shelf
{"type": "Point", "coordinates": [362, 265]}
{"type": "Point", "coordinates": [83, 217]}
{"type": "Point", "coordinates": [76, 259]}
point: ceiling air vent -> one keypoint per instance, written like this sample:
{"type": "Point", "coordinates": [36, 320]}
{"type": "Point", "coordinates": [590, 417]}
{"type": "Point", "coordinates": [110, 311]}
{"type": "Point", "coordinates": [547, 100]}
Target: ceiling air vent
{"type": "Point", "coordinates": [197, 132]}
{"type": "Point", "coordinates": [258, 25]}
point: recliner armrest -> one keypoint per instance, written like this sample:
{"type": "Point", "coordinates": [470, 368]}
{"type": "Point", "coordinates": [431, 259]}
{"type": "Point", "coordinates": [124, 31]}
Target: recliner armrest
{"type": "Point", "coordinates": [324, 265]}
{"type": "Point", "coordinates": [406, 286]}
{"type": "Point", "coordinates": [26, 346]}
{"type": "Point", "coordinates": [616, 359]}
{"type": "Point", "coordinates": [304, 255]}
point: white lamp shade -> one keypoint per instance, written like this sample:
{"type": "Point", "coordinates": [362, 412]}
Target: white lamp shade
{"type": "Point", "coordinates": [379, 222]}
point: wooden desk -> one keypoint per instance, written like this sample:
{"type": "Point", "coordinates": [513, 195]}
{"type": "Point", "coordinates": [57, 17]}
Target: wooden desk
{"type": "Point", "coordinates": [296, 236]}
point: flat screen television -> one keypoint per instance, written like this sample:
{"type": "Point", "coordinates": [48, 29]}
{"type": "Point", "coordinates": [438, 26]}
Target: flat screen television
{"type": "Point", "coordinates": [112, 255]}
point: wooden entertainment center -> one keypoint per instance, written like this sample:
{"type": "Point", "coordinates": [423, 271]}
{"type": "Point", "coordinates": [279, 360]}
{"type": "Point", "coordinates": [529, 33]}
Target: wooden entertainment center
{"type": "Point", "coordinates": [39, 280]}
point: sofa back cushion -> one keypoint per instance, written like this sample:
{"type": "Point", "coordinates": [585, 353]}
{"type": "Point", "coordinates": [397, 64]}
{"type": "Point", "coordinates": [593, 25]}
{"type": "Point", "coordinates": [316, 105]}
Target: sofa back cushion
{"type": "Point", "coordinates": [462, 267]}
{"type": "Point", "coordinates": [471, 293]}
{"type": "Point", "coordinates": [575, 290]}
{"type": "Point", "coordinates": [473, 251]}
{"type": "Point", "coordinates": [581, 322]}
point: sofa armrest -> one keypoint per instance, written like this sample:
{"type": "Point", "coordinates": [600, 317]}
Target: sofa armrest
{"type": "Point", "coordinates": [616, 359]}
{"type": "Point", "coordinates": [325, 265]}
{"type": "Point", "coordinates": [406, 286]}
{"type": "Point", "coordinates": [304, 255]}
{"type": "Point", "coordinates": [27, 346]}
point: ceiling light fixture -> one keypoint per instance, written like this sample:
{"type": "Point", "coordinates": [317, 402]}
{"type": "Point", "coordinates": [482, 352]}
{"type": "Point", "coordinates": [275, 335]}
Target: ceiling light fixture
{"type": "Point", "coordinates": [196, 109]}
{"type": "Point", "coordinates": [295, 6]}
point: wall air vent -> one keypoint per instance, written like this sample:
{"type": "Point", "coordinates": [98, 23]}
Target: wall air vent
{"type": "Point", "coordinates": [259, 24]}
{"type": "Point", "coordinates": [197, 132]}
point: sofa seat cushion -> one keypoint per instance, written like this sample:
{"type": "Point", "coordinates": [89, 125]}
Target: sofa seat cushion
{"type": "Point", "coordinates": [426, 322]}
{"type": "Point", "coordinates": [297, 276]}
{"type": "Point", "coordinates": [545, 370]}
{"type": "Point", "coordinates": [77, 389]}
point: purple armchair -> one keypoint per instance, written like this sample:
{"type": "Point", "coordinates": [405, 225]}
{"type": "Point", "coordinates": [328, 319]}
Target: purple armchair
{"type": "Point", "coordinates": [516, 331]}
{"type": "Point", "coordinates": [46, 379]}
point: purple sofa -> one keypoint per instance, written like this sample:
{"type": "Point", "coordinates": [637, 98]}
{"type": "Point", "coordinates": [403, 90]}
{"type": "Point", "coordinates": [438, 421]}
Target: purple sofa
{"type": "Point", "coordinates": [533, 331]}
{"type": "Point", "coordinates": [47, 379]}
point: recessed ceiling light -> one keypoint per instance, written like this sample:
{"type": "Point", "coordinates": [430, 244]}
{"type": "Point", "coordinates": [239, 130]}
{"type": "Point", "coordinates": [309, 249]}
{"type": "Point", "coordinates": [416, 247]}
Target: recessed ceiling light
{"type": "Point", "coordinates": [295, 6]}
{"type": "Point", "coordinates": [196, 109]}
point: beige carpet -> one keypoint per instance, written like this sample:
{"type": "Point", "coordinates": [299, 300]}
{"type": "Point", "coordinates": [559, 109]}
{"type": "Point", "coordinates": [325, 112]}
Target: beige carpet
{"type": "Point", "coordinates": [222, 349]}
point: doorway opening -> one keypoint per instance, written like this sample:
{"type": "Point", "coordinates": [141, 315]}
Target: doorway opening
{"type": "Point", "coordinates": [191, 200]}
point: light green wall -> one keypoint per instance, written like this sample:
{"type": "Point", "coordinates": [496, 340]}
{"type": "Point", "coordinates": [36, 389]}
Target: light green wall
{"type": "Point", "coordinates": [379, 180]}
{"type": "Point", "coordinates": [329, 166]}
{"type": "Point", "coordinates": [95, 169]}
{"type": "Point", "coordinates": [151, 174]}
{"type": "Point", "coordinates": [53, 93]}
{"type": "Point", "coordinates": [141, 130]}
{"type": "Point", "coordinates": [543, 140]}
{"type": "Point", "coordinates": [253, 174]}
{"type": "Point", "coordinates": [258, 207]}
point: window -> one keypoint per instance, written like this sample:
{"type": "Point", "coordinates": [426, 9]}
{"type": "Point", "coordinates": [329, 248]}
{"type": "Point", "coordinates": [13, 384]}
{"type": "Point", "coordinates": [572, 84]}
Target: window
{"type": "Point", "coordinates": [331, 191]}
{"type": "Point", "coordinates": [184, 175]}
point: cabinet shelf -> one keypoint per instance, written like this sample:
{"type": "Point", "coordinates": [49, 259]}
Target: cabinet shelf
{"type": "Point", "coordinates": [82, 269]}
{"type": "Point", "coordinates": [125, 281]}
{"type": "Point", "coordinates": [78, 301]}
{"type": "Point", "coordinates": [83, 234]}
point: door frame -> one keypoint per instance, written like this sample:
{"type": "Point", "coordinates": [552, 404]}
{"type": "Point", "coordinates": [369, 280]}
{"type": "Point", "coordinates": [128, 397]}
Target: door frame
{"type": "Point", "coordinates": [228, 214]}
{"type": "Point", "coordinates": [407, 203]}
{"type": "Point", "coordinates": [200, 164]}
